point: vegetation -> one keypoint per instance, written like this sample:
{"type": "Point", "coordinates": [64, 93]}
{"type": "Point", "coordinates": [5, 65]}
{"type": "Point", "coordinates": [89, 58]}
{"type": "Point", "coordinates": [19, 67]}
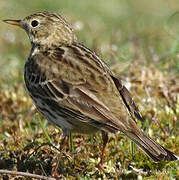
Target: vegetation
{"type": "Point", "coordinates": [139, 40]}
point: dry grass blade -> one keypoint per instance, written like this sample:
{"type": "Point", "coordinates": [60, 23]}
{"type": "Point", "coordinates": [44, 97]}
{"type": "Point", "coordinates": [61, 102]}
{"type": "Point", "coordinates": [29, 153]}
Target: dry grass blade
{"type": "Point", "coordinates": [25, 174]}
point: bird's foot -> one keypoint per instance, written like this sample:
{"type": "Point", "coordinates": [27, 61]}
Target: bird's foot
{"type": "Point", "coordinates": [100, 167]}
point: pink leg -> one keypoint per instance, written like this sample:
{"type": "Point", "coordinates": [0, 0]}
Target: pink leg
{"type": "Point", "coordinates": [63, 144]}
{"type": "Point", "coordinates": [105, 140]}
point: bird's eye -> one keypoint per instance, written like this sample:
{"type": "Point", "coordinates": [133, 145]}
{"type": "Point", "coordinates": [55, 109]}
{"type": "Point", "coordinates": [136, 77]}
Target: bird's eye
{"type": "Point", "coordinates": [34, 23]}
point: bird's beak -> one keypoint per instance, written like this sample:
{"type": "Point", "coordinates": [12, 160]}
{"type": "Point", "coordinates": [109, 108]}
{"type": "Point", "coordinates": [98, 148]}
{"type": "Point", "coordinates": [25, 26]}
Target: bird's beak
{"type": "Point", "coordinates": [15, 22]}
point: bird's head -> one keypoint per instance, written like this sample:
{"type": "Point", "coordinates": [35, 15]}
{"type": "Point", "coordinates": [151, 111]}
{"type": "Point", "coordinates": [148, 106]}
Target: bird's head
{"type": "Point", "coordinates": [46, 28]}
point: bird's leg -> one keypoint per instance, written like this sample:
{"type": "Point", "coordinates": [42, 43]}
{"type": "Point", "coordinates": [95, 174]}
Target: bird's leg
{"type": "Point", "coordinates": [105, 140]}
{"type": "Point", "coordinates": [55, 169]}
{"type": "Point", "coordinates": [63, 143]}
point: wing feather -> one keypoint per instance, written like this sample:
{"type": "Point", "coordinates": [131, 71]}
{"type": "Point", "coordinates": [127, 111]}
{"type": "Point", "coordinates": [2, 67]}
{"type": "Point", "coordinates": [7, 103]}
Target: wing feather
{"type": "Point", "coordinates": [127, 98]}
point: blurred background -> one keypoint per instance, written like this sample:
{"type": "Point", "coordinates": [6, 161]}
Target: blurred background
{"type": "Point", "coordinates": [138, 40]}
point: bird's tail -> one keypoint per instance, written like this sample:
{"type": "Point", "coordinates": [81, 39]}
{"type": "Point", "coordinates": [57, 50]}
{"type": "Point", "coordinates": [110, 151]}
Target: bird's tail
{"type": "Point", "coordinates": [150, 147]}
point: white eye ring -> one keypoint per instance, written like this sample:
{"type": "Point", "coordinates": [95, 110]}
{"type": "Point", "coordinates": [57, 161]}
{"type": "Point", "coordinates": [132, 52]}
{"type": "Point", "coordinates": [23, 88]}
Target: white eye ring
{"type": "Point", "coordinates": [34, 23]}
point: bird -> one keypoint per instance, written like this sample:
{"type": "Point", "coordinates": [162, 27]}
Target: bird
{"type": "Point", "coordinates": [75, 90]}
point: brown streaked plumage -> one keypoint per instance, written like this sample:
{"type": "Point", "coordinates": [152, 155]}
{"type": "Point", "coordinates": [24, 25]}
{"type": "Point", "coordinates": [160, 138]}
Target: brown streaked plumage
{"type": "Point", "coordinates": [74, 89]}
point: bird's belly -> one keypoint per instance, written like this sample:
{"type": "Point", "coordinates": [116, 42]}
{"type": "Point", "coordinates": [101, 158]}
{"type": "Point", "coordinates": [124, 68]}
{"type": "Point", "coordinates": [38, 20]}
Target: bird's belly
{"type": "Point", "coordinates": [55, 116]}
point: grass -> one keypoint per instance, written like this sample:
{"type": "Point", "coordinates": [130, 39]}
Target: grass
{"type": "Point", "coordinates": [140, 42]}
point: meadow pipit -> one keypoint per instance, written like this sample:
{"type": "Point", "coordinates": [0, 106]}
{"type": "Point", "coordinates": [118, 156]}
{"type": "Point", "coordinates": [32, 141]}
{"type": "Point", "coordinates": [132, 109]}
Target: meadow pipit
{"type": "Point", "coordinates": [75, 90]}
